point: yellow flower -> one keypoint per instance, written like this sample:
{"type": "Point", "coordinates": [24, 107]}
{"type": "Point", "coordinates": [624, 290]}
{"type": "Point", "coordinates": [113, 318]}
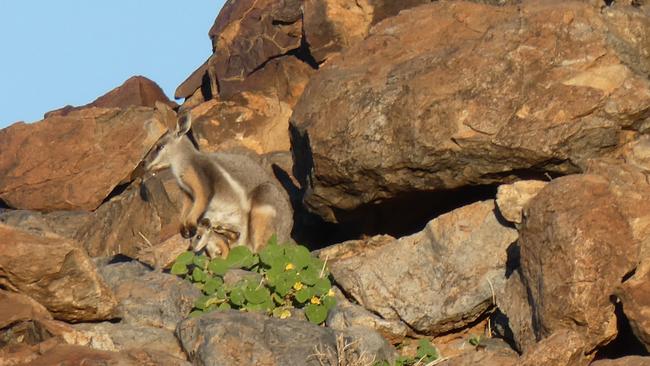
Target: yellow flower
{"type": "Point", "coordinates": [331, 292]}
{"type": "Point", "coordinates": [297, 286]}
{"type": "Point", "coordinates": [315, 300]}
{"type": "Point", "coordinates": [285, 314]}
{"type": "Point", "coordinates": [289, 267]}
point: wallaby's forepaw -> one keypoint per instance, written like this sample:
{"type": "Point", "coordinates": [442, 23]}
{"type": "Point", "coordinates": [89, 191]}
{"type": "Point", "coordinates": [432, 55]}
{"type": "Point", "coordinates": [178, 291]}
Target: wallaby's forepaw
{"type": "Point", "coordinates": [188, 231]}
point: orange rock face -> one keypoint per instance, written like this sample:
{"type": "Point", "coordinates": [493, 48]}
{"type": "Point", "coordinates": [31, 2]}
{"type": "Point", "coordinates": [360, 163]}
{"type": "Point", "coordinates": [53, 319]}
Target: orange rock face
{"type": "Point", "coordinates": [74, 161]}
{"type": "Point", "coordinates": [56, 273]}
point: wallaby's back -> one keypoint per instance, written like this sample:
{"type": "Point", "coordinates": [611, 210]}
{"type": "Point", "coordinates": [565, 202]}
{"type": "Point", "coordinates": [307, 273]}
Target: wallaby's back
{"type": "Point", "coordinates": [250, 173]}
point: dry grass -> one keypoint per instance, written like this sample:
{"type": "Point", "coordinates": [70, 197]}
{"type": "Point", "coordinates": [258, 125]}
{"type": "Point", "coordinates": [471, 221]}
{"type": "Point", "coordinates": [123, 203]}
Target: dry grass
{"type": "Point", "coordinates": [346, 354]}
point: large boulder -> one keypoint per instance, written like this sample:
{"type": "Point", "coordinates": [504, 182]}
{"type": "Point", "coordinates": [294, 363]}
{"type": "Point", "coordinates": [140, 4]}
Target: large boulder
{"type": "Point", "coordinates": [455, 93]}
{"type": "Point", "coordinates": [79, 355]}
{"type": "Point", "coordinates": [107, 336]}
{"type": "Point", "coordinates": [576, 247]}
{"type": "Point", "coordinates": [57, 273]}
{"type": "Point", "coordinates": [16, 307]}
{"type": "Point", "coordinates": [446, 275]}
{"type": "Point", "coordinates": [147, 298]}
{"type": "Point", "coordinates": [237, 338]}
{"type": "Point", "coordinates": [141, 218]}
{"type": "Point", "coordinates": [635, 298]}
{"type": "Point", "coordinates": [136, 91]}
{"type": "Point", "coordinates": [247, 34]}
{"type": "Point", "coordinates": [333, 25]}
{"type": "Point", "coordinates": [562, 348]}
{"type": "Point", "coordinates": [73, 162]}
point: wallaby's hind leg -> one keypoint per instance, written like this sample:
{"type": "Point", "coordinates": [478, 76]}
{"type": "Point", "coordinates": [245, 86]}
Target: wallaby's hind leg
{"type": "Point", "coordinates": [262, 217]}
{"type": "Point", "coordinates": [261, 225]}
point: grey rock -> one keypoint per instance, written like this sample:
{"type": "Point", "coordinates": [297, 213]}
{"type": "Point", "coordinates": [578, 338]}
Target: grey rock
{"type": "Point", "coordinates": [236, 338]}
{"type": "Point", "coordinates": [147, 298]}
{"type": "Point", "coordinates": [434, 281]}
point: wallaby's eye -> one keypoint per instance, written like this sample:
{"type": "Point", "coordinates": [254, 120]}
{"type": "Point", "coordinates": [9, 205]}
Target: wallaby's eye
{"type": "Point", "coordinates": [159, 147]}
{"type": "Point", "coordinates": [198, 237]}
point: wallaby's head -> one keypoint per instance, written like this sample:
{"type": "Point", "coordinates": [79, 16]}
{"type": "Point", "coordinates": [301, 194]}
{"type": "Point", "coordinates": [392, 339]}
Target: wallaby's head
{"type": "Point", "coordinates": [216, 239]}
{"type": "Point", "coordinates": [168, 146]}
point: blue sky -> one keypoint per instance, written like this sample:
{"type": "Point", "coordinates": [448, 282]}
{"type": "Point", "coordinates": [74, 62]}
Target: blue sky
{"type": "Point", "coordinates": [63, 52]}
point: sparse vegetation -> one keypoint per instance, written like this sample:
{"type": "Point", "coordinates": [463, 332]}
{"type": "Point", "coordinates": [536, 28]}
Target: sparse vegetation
{"type": "Point", "coordinates": [425, 354]}
{"type": "Point", "coordinates": [282, 277]}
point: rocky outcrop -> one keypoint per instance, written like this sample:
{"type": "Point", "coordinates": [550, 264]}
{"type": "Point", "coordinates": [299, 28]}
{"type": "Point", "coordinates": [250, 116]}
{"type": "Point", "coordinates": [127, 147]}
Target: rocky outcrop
{"type": "Point", "coordinates": [139, 219]}
{"type": "Point", "coordinates": [453, 94]}
{"type": "Point", "coordinates": [511, 198]}
{"type": "Point", "coordinates": [73, 162]}
{"type": "Point", "coordinates": [16, 307]}
{"type": "Point", "coordinates": [137, 91]}
{"type": "Point", "coordinates": [445, 275]}
{"type": "Point", "coordinates": [634, 295]}
{"type": "Point", "coordinates": [56, 273]}
{"type": "Point", "coordinates": [124, 337]}
{"type": "Point", "coordinates": [79, 355]}
{"type": "Point", "coordinates": [331, 26]}
{"type": "Point", "coordinates": [236, 338]}
{"type": "Point", "coordinates": [562, 348]}
{"type": "Point", "coordinates": [576, 247]}
{"type": "Point", "coordinates": [150, 299]}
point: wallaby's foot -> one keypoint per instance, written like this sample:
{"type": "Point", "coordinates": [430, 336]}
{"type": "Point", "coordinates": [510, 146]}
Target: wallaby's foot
{"type": "Point", "coordinates": [188, 231]}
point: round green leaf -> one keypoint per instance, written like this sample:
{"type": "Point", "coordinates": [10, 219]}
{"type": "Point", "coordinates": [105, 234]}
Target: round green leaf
{"type": "Point", "coordinates": [283, 287]}
{"type": "Point", "coordinates": [257, 296]}
{"type": "Point", "coordinates": [309, 276]}
{"type": "Point", "coordinates": [201, 261]}
{"type": "Point", "coordinates": [185, 258]}
{"type": "Point", "coordinates": [218, 266]}
{"type": "Point", "coordinates": [212, 285]}
{"type": "Point", "coordinates": [271, 255]}
{"type": "Point", "coordinates": [198, 275]}
{"type": "Point", "coordinates": [298, 255]}
{"type": "Point", "coordinates": [179, 269]}
{"type": "Point", "coordinates": [316, 313]}
{"type": "Point", "coordinates": [196, 313]}
{"type": "Point", "coordinates": [240, 257]}
{"type": "Point", "coordinates": [303, 295]}
{"type": "Point", "coordinates": [328, 301]}
{"type": "Point", "coordinates": [237, 296]}
{"type": "Point", "coordinates": [202, 302]}
{"type": "Point", "coordinates": [322, 286]}
{"type": "Point", "coordinates": [224, 306]}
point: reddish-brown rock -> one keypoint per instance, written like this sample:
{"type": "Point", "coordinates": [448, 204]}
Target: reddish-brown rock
{"type": "Point", "coordinates": [16, 307]}
{"type": "Point", "coordinates": [635, 297]}
{"type": "Point", "coordinates": [247, 34]}
{"type": "Point", "coordinates": [434, 281]}
{"type": "Point", "coordinates": [137, 91]}
{"type": "Point", "coordinates": [56, 273]}
{"type": "Point", "coordinates": [576, 247]}
{"type": "Point", "coordinates": [143, 216]}
{"type": "Point", "coordinates": [455, 93]}
{"type": "Point", "coordinates": [78, 355]}
{"type": "Point", "coordinates": [562, 348]}
{"type": "Point", "coordinates": [75, 161]}
{"type": "Point", "coordinates": [333, 25]}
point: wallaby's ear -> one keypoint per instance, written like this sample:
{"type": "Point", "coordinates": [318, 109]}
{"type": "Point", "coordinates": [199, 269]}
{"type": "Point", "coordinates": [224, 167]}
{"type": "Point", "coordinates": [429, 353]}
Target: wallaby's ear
{"type": "Point", "coordinates": [184, 123]}
{"type": "Point", "coordinates": [205, 222]}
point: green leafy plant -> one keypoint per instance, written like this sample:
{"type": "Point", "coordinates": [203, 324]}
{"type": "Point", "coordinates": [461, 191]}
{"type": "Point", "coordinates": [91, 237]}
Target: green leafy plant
{"type": "Point", "coordinates": [425, 354]}
{"type": "Point", "coordinates": [476, 340]}
{"type": "Point", "coordinates": [283, 277]}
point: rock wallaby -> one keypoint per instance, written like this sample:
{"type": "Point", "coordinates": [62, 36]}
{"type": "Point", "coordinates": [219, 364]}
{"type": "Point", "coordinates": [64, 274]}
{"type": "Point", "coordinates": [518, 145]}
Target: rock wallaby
{"type": "Point", "coordinates": [216, 240]}
{"type": "Point", "coordinates": [230, 190]}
